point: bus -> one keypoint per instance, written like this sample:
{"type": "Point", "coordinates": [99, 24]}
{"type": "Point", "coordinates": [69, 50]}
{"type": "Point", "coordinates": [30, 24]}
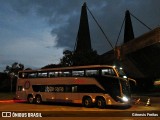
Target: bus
{"type": "Point", "coordinates": [93, 85]}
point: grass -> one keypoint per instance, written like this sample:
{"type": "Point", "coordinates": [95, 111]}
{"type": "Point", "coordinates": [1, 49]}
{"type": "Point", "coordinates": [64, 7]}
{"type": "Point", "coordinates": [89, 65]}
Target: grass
{"type": "Point", "coordinates": [7, 96]}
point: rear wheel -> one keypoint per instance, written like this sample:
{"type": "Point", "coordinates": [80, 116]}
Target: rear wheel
{"type": "Point", "coordinates": [30, 99]}
{"type": "Point", "coordinates": [101, 103]}
{"type": "Point", "coordinates": [38, 99]}
{"type": "Point", "coordinates": [87, 102]}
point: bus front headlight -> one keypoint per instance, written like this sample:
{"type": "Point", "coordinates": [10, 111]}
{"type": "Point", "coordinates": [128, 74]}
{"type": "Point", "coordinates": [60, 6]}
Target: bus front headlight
{"type": "Point", "coordinates": [124, 77]}
{"type": "Point", "coordinates": [125, 99]}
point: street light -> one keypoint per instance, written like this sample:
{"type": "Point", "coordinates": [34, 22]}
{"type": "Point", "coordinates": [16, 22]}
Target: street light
{"type": "Point", "coordinates": [12, 76]}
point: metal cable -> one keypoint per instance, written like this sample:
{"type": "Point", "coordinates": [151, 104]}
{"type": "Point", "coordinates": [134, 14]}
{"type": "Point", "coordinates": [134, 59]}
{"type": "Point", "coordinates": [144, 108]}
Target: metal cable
{"type": "Point", "coordinates": [120, 31]}
{"type": "Point", "coordinates": [141, 22]}
{"type": "Point", "coordinates": [100, 28]}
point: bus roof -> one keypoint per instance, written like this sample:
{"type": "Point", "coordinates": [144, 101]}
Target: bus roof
{"type": "Point", "coordinates": [69, 68]}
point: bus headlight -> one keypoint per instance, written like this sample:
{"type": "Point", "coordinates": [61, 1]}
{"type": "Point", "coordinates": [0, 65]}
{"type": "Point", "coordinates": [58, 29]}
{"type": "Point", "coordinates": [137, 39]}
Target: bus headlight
{"type": "Point", "coordinates": [125, 99]}
{"type": "Point", "coordinates": [124, 77]}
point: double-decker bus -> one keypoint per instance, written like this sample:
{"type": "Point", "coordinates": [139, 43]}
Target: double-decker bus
{"type": "Point", "coordinates": [98, 85]}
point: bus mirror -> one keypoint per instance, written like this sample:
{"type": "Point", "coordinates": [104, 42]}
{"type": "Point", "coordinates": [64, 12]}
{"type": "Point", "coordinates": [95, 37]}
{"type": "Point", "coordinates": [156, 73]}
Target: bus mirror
{"type": "Point", "coordinates": [133, 81]}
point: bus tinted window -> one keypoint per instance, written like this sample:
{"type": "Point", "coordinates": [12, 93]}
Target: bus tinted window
{"type": "Point", "coordinates": [108, 71]}
{"type": "Point", "coordinates": [77, 73]}
{"type": "Point", "coordinates": [74, 88]}
{"type": "Point", "coordinates": [66, 74]}
{"type": "Point", "coordinates": [92, 72]}
{"type": "Point", "coordinates": [42, 74]}
{"type": "Point", "coordinates": [32, 75]}
{"type": "Point", "coordinates": [23, 75]}
{"type": "Point", "coordinates": [51, 74]}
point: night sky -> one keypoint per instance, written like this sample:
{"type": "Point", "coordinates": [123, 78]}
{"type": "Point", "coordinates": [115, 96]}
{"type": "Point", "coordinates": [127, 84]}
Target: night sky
{"type": "Point", "coordinates": [36, 32]}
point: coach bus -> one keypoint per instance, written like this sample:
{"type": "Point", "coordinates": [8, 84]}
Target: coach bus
{"type": "Point", "coordinates": [92, 85]}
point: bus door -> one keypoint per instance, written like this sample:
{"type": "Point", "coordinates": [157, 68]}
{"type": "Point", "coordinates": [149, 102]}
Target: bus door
{"type": "Point", "coordinates": [22, 88]}
{"type": "Point", "coordinates": [20, 93]}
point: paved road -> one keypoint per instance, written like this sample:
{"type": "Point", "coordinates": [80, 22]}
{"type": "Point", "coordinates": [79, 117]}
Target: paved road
{"type": "Point", "coordinates": [72, 110]}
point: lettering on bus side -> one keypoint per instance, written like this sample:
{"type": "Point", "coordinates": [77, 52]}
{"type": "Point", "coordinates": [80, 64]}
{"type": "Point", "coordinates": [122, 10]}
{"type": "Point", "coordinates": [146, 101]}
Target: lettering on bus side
{"type": "Point", "coordinates": [54, 89]}
{"type": "Point", "coordinates": [68, 88]}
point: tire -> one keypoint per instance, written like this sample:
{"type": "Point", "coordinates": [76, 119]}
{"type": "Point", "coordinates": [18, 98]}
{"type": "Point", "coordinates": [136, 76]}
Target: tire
{"type": "Point", "coordinates": [30, 99]}
{"type": "Point", "coordinates": [87, 102]}
{"type": "Point", "coordinates": [38, 99]}
{"type": "Point", "coordinates": [101, 103]}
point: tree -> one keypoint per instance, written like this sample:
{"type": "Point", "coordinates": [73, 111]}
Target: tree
{"type": "Point", "coordinates": [12, 72]}
{"type": "Point", "coordinates": [79, 58]}
{"type": "Point", "coordinates": [67, 59]}
{"type": "Point", "coordinates": [14, 68]}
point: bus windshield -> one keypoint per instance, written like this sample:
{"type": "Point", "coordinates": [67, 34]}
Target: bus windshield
{"type": "Point", "coordinates": [111, 86]}
{"type": "Point", "coordinates": [125, 87]}
{"type": "Point", "coordinates": [121, 72]}
{"type": "Point", "coordinates": [115, 87]}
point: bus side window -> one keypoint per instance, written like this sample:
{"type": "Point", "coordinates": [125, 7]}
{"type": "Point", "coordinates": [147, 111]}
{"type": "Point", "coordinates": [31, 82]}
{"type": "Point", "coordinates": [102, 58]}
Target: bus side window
{"type": "Point", "coordinates": [78, 73]}
{"type": "Point", "coordinates": [22, 75]}
{"type": "Point", "coordinates": [68, 88]}
{"type": "Point", "coordinates": [42, 75]}
{"type": "Point", "coordinates": [66, 74]}
{"type": "Point", "coordinates": [92, 72]}
{"type": "Point", "coordinates": [105, 72]}
{"type": "Point", "coordinates": [56, 74]}
{"type": "Point", "coordinates": [32, 75]}
{"type": "Point", "coordinates": [74, 88]}
{"type": "Point", "coordinates": [108, 72]}
{"type": "Point", "coordinates": [51, 74]}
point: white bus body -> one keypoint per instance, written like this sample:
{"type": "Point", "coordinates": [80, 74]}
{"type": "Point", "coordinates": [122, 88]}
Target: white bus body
{"type": "Point", "coordinates": [98, 85]}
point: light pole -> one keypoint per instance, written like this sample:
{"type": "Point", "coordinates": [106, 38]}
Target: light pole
{"type": "Point", "coordinates": [11, 77]}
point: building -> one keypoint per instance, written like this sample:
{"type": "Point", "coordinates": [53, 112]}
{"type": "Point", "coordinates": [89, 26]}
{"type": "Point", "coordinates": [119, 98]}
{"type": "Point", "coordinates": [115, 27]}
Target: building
{"type": "Point", "coordinates": [138, 56]}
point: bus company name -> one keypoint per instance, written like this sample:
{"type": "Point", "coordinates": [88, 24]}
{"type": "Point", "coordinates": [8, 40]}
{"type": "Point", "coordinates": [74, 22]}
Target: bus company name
{"type": "Point", "coordinates": [54, 89]}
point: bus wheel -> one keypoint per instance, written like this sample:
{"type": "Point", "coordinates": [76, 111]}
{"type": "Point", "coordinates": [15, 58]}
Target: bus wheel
{"type": "Point", "coordinates": [30, 99]}
{"type": "Point", "coordinates": [101, 103]}
{"type": "Point", "coordinates": [38, 99]}
{"type": "Point", "coordinates": [87, 102]}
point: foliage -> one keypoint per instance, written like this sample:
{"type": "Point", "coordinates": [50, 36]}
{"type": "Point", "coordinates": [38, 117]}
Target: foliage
{"type": "Point", "coordinates": [67, 59]}
{"type": "Point", "coordinates": [14, 68]}
{"type": "Point", "coordinates": [79, 58]}
{"type": "Point", "coordinates": [12, 72]}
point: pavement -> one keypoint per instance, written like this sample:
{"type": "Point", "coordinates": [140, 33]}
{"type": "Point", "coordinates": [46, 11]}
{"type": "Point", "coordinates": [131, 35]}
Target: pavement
{"type": "Point", "coordinates": [153, 98]}
{"type": "Point", "coordinates": [142, 97]}
{"type": "Point", "coordinates": [7, 95]}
